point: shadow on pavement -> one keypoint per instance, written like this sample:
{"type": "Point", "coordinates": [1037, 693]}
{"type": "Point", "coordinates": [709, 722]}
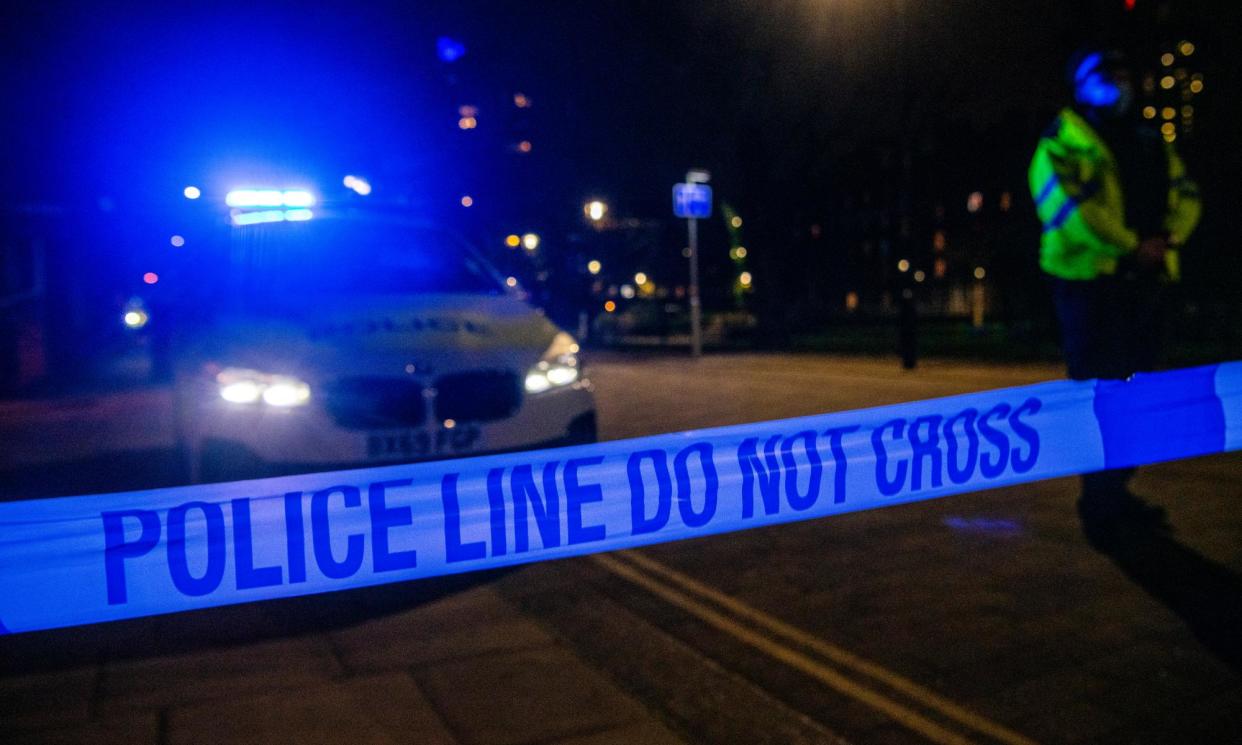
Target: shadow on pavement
{"type": "Point", "coordinates": [1205, 594]}
{"type": "Point", "coordinates": [191, 631]}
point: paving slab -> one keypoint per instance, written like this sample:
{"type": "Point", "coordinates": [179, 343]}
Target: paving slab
{"type": "Point", "coordinates": [378, 709]}
{"type": "Point", "coordinates": [222, 673]}
{"type": "Point", "coordinates": [130, 729]}
{"type": "Point", "coordinates": [472, 623]}
{"type": "Point", "coordinates": [525, 697]}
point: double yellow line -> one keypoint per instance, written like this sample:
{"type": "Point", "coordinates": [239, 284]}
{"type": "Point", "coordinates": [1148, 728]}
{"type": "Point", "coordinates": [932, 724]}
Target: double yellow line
{"type": "Point", "coordinates": [831, 665]}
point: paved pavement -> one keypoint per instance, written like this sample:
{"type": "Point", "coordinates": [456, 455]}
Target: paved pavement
{"type": "Point", "coordinates": [977, 618]}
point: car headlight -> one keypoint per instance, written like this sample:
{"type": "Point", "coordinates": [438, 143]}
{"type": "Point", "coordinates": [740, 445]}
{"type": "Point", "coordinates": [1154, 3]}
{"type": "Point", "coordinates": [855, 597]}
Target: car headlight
{"type": "Point", "coordinates": [557, 368]}
{"type": "Point", "coordinates": [242, 386]}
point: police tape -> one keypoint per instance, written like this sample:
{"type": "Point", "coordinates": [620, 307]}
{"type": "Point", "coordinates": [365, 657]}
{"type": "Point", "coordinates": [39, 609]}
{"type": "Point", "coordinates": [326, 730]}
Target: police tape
{"type": "Point", "coordinates": [81, 560]}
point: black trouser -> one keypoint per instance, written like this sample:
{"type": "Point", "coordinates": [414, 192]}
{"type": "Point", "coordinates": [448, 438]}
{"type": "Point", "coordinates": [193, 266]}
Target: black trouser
{"type": "Point", "coordinates": [1111, 328]}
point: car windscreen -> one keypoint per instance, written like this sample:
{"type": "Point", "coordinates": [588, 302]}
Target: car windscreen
{"type": "Point", "coordinates": [330, 259]}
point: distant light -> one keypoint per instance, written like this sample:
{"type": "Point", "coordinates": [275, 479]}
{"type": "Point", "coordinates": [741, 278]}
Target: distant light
{"type": "Point", "coordinates": [450, 423]}
{"type": "Point", "coordinates": [851, 300]}
{"type": "Point", "coordinates": [269, 198]}
{"type": "Point", "coordinates": [980, 273]}
{"type": "Point", "coordinates": [358, 184]}
{"type": "Point", "coordinates": [1006, 201]}
{"type": "Point", "coordinates": [594, 267]}
{"type": "Point", "coordinates": [449, 49]}
{"type": "Point", "coordinates": [468, 110]}
{"type": "Point", "coordinates": [1149, 112]}
{"type": "Point", "coordinates": [530, 241]}
{"type": "Point", "coordinates": [1196, 86]}
{"type": "Point", "coordinates": [1167, 82]}
{"type": "Point", "coordinates": [298, 215]}
{"type": "Point", "coordinates": [150, 278]}
{"type": "Point", "coordinates": [467, 201]}
{"type": "Point", "coordinates": [1170, 136]}
{"type": "Point", "coordinates": [467, 122]}
{"type": "Point", "coordinates": [595, 210]}
{"type": "Point", "coordinates": [736, 221]}
{"type": "Point", "coordinates": [1167, 128]}
{"type": "Point", "coordinates": [524, 146]}
{"type": "Point", "coordinates": [192, 192]}
{"type": "Point", "coordinates": [610, 306]}
{"type": "Point", "coordinates": [627, 291]}
{"type": "Point", "coordinates": [903, 265]}
{"type": "Point", "coordinates": [135, 319]}
{"type": "Point", "coordinates": [1188, 111]}
{"type": "Point", "coordinates": [511, 281]}
{"type": "Point", "coordinates": [520, 100]}
{"type": "Point", "coordinates": [1168, 112]}
{"type": "Point", "coordinates": [974, 202]}
{"type": "Point", "coordinates": [177, 241]}
{"type": "Point", "coordinates": [1166, 59]}
{"type": "Point", "coordinates": [640, 278]}
{"type": "Point", "coordinates": [920, 275]}
{"type": "Point", "coordinates": [513, 240]}
{"type": "Point", "coordinates": [741, 252]}
{"type": "Point", "coordinates": [1186, 48]}
{"type": "Point", "coordinates": [744, 279]}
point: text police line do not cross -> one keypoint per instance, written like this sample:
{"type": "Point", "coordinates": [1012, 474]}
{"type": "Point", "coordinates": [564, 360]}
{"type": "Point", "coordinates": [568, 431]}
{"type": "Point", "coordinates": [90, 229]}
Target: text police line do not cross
{"type": "Point", "coordinates": [547, 505]}
{"type": "Point", "coordinates": [86, 559]}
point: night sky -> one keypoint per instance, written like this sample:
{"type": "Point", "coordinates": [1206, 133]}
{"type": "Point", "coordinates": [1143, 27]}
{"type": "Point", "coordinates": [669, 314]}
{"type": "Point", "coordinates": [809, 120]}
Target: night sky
{"type": "Point", "coordinates": [800, 108]}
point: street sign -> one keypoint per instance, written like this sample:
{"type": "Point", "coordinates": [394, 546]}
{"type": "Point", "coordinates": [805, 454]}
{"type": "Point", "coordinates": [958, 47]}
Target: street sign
{"type": "Point", "coordinates": [692, 200]}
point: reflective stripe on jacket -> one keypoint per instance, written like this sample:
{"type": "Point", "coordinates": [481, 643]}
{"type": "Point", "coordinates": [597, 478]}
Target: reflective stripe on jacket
{"type": "Point", "coordinates": [1077, 191]}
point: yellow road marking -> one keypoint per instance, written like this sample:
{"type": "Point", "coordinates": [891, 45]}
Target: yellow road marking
{"type": "Point", "coordinates": [900, 713]}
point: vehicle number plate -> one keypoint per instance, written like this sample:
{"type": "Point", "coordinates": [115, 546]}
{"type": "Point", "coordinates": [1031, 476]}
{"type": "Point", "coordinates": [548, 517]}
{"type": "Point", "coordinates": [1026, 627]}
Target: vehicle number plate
{"type": "Point", "coordinates": [422, 443]}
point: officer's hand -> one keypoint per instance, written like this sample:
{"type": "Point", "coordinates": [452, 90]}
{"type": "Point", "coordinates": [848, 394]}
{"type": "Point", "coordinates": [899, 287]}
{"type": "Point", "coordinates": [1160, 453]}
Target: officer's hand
{"type": "Point", "coordinates": [1151, 250]}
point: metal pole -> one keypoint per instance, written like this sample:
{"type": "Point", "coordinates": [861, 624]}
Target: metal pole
{"type": "Point", "coordinates": [696, 314]}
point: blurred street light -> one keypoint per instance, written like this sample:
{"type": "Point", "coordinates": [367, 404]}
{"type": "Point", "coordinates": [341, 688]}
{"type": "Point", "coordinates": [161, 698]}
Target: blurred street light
{"type": "Point", "coordinates": [640, 278]}
{"type": "Point", "coordinates": [513, 240]}
{"type": "Point", "coordinates": [359, 186]}
{"type": "Point", "coordinates": [744, 279]}
{"type": "Point", "coordinates": [177, 241]}
{"type": "Point", "coordinates": [595, 210]}
{"type": "Point", "coordinates": [467, 201]}
{"type": "Point", "coordinates": [594, 267]}
{"type": "Point", "coordinates": [192, 192]}
{"type": "Point", "coordinates": [530, 241]}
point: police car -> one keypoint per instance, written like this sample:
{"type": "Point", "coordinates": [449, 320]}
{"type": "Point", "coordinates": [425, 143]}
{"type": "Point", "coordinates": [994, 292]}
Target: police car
{"type": "Point", "coordinates": [346, 337]}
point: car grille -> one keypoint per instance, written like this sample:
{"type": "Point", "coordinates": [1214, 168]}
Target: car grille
{"type": "Point", "coordinates": [380, 403]}
{"type": "Point", "coordinates": [478, 396]}
{"type": "Point", "coordinates": [375, 403]}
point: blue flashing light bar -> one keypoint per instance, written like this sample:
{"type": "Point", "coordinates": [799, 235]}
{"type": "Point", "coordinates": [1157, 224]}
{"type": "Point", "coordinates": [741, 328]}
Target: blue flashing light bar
{"type": "Point", "coordinates": [269, 198]}
{"type": "Point", "coordinates": [241, 218]}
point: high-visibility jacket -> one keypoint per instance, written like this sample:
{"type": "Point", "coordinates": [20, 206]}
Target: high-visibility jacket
{"type": "Point", "coordinates": [1077, 191]}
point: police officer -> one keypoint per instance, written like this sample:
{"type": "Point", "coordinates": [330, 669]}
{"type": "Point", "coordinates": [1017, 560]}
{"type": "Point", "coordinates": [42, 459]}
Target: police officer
{"type": "Point", "coordinates": [1116, 206]}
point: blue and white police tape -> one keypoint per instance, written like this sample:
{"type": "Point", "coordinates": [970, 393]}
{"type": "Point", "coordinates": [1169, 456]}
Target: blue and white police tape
{"type": "Point", "coordinates": [80, 560]}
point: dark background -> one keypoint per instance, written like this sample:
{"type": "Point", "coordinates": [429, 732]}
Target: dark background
{"type": "Point", "coordinates": [846, 133]}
